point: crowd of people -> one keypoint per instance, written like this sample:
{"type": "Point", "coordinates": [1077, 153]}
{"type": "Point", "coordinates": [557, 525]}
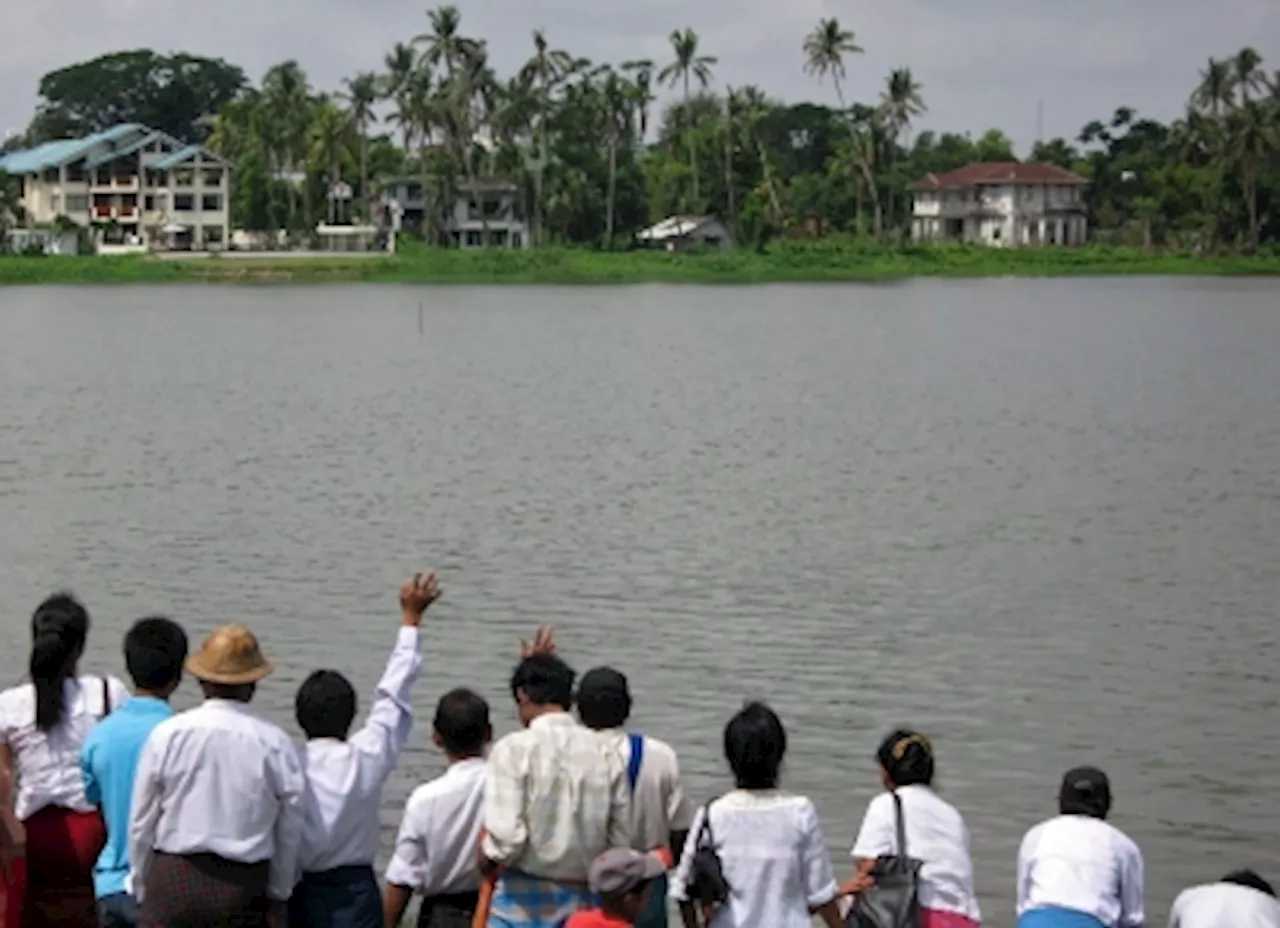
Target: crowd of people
{"type": "Point", "coordinates": [118, 811]}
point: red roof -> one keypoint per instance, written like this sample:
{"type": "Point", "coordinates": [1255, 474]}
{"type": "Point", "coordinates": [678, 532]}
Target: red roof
{"type": "Point", "coordinates": [1000, 172]}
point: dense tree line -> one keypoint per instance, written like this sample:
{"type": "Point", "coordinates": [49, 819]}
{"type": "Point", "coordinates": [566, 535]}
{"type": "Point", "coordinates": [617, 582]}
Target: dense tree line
{"type": "Point", "coordinates": [595, 163]}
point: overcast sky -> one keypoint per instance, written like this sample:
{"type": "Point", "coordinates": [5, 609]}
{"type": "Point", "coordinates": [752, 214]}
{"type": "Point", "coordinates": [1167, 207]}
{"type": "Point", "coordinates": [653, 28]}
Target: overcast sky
{"type": "Point", "coordinates": [982, 62]}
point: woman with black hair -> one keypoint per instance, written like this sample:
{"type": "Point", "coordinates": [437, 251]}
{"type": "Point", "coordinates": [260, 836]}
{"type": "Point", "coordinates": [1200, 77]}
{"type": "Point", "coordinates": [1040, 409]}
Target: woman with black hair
{"type": "Point", "coordinates": [1076, 870]}
{"type": "Point", "coordinates": [772, 853]}
{"type": "Point", "coordinates": [1241, 899]}
{"type": "Point", "coordinates": [48, 866]}
{"type": "Point", "coordinates": [935, 834]}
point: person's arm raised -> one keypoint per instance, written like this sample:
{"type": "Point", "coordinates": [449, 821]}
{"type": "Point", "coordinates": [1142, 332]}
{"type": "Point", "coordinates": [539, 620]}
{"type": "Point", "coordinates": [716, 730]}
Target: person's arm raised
{"type": "Point", "coordinates": [390, 720]}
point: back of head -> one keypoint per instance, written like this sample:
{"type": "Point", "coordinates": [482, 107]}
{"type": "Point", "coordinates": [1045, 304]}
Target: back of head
{"type": "Point", "coordinates": [545, 680]}
{"type": "Point", "coordinates": [906, 757]}
{"type": "Point", "coordinates": [604, 700]}
{"type": "Point", "coordinates": [154, 651]}
{"type": "Point", "coordinates": [59, 627]}
{"type": "Point", "coordinates": [1085, 791]}
{"type": "Point", "coordinates": [462, 723]}
{"type": "Point", "coordinates": [754, 744]}
{"type": "Point", "coordinates": [326, 705]}
{"type": "Point", "coordinates": [1250, 879]}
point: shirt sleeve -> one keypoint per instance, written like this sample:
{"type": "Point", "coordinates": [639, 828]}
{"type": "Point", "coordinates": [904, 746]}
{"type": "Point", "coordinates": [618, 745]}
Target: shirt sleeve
{"type": "Point", "coordinates": [679, 888]}
{"type": "Point", "coordinates": [878, 834]}
{"type": "Point", "coordinates": [408, 866]}
{"type": "Point", "coordinates": [283, 873]}
{"type": "Point", "coordinates": [679, 808]}
{"type": "Point", "coordinates": [92, 791]}
{"type": "Point", "coordinates": [1175, 912]}
{"type": "Point", "coordinates": [1023, 892]}
{"type": "Point", "coordinates": [505, 831]}
{"type": "Point", "coordinates": [391, 718]}
{"type": "Point", "coordinates": [1132, 887]}
{"type": "Point", "coordinates": [819, 878]}
{"type": "Point", "coordinates": [144, 812]}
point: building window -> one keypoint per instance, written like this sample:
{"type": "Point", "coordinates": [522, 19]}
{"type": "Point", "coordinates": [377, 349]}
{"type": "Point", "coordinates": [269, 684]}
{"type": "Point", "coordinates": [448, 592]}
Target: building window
{"type": "Point", "coordinates": [213, 235]}
{"type": "Point", "coordinates": [75, 172]}
{"type": "Point", "coordinates": [211, 202]}
{"type": "Point", "coordinates": [183, 178]}
{"type": "Point", "coordinates": [475, 239]}
{"type": "Point", "coordinates": [184, 203]}
{"type": "Point", "coordinates": [149, 203]}
{"type": "Point", "coordinates": [78, 204]}
{"type": "Point", "coordinates": [213, 178]}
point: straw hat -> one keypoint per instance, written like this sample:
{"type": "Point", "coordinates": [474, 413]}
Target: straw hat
{"type": "Point", "coordinates": [230, 655]}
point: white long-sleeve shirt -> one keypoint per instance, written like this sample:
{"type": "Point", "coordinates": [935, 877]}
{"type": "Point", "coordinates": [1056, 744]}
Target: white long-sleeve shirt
{"type": "Point", "coordinates": [1083, 864]}
{"type": "Point", "coordinates": [1224, 905]}
{"type": "Point", "coordinates": [345, 778]}
{"type": "Point", "coordinates": [218, 780]}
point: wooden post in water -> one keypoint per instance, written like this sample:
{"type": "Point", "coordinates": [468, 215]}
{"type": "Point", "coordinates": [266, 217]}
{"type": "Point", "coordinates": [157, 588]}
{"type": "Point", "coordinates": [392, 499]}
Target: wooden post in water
{"type": "Point", "coordinates": [419, 319]}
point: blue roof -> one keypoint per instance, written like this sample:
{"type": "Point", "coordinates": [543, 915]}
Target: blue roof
{"type": "Point", "coordinates": [52, 154]}
{"type": "Point", "coordinates": [110, 155]}
{"type": "Point", "coordinates": [185, 154]}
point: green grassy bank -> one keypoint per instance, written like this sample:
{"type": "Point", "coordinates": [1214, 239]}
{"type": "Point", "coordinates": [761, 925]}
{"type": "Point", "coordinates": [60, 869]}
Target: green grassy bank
{"type": "Point", "coordinates": [812, 261]}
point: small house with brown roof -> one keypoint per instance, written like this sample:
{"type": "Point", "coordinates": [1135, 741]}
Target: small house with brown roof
{"type": "Point", "coordinates": [1001, 204]}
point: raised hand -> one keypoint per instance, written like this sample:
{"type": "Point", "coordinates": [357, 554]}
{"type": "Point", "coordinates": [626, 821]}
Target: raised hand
{"type": "Point", "coordinates": [544, 642]}
{"type": "Point", "coordinates": [416, 594]}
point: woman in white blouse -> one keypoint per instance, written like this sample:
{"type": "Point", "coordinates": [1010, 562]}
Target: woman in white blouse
{"type": "Point", "coordinates": [771, 848]}
{"type": "Point", "coordinates": [1076, 870]}
{"type": "Point", "coordinates": [935, 832]}
{"type": "Point", "coordinates": [50, 851]}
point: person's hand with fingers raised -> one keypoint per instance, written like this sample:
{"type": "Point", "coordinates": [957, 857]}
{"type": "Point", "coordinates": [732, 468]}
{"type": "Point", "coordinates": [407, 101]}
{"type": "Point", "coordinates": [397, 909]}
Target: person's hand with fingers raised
{"type": "Point", "coordinates": [416, 594]}
{"type": "Point", "coordinates": [544, 642]}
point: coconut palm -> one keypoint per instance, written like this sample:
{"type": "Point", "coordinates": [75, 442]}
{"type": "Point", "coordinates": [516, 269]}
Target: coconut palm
{"type": "Point", "coordinates": [401, 65]}
{"type": "Point", "coordinates": [688, 66]}
{"type": "Point", "coordinates": [901, 101]}
{"type": "Point", "coordinates": [546, 69]}
{"type": "Point", "coordinates": [331, 142]}
{"type": "Point", "coordinates": [825, 48]}
{"type": "Point", "coordinates": [287, 98]}
{"type": "Point", "coordinates": [618, 102]}
{"type": "Point", "coordinates": [1216, 92]}
{"type": "Point", "coordinates": [444, 43]}
{"type": "Point", "coordinates": [1253, 138]}
{"type": "Point", "coordinates": [1248, 74]}
{"type": "Point", "coordinates": [360, 93]}
{"type": "Point", "coordinates": [641, 71]}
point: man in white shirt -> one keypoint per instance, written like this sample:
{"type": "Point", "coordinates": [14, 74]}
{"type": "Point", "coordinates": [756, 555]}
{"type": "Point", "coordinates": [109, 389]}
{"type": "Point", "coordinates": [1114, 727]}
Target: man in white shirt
{"type": "Point", "coordinates": [660, 811]}
{"type": "Point", "coordinates": [345, 776]}
{"type": "Point", "coordinates": [1241, 899]}
{"type": "Point", "coordinates": [216, 819]}
{"type": "Point", "coordinates": [435, 853]}
{"type": "Point", "coordinates": [554, 800]}
{"type": "Point", "coordinates": [1076, 870]}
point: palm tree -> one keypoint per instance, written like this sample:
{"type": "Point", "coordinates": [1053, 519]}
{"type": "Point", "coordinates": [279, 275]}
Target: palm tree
{"type": "Point", "coordinates": [1247, 73]}
{"type": "Point", "coordinates": [402, 69]}
{"type": "Point", "coordinates": [901, 101]}
{"type": "Point", "coordinates": [331, 145]}
{"type": "Point", "coordinates": [732, 126]}
{"type": "Point", "coordinates": [360, 95]}
{"type": "Point", "coordinates": [755, 106]}
{"type": "Point", "coordinates": [825, 48]}
{"type": "Point", "coordinates": [1252, 137]}
{"type": "Point", "coordinates": [287, 98]}
{"type": "Point", "coordinates": [1217, 88]}
{"type": "Point", "coordinates": [688, 64]}
{"type": "Point", "coordinates": [444, 44]}
{"type": "Point", "coordinates": [618, 100]}
{"type": "Point", "coordinates": [546, 69]}
{"type": "Point", "coordinates": [641, 71]}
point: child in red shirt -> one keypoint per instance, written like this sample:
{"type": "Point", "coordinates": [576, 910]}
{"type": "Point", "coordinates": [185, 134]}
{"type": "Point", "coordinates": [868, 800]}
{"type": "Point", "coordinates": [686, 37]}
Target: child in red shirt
{"type": "Point", "coordinates": [623, 879]}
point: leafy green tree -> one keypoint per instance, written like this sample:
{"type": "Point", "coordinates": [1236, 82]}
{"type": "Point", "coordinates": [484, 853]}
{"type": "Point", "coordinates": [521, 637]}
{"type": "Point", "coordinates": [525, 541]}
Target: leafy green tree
{"type": "Point", "coordinates": [360, 94]}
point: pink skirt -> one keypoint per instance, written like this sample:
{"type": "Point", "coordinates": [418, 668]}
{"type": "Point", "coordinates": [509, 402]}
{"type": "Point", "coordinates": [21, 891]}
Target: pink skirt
{"type": "Point", "coordinates": [933, 918]}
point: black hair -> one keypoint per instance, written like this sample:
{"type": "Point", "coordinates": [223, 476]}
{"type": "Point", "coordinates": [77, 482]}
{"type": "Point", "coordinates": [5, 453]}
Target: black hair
{"type": "Point", "coordinates": [326, 705]}
{"type": "Point", "coordinates": [754, 744]}
{"type": "Point", "coordinates": [1251, 880]}
{"type": "Point", "coordinates": [545, 679]}
{"type": "Point", "coordinates": [907, 758]}
{"type": "Point", "coordinates": [154, 651]}
{"type": "Point", "coordinates": [1085, 791]}
{"type": "Point", "coordinates": [462, 722]}
{"type": "Point", "coordinates": [604, 701]}
{"type": "Point", "coordinates": [59, 627]}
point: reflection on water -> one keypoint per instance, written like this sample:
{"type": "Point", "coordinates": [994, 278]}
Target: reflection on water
{"type": "Point", "coordinates": [1035, 519]}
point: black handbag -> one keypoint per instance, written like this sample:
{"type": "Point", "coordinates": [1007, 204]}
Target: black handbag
{"type": "Point", "coordinates": [707, 884]}
{"type": "Point", "coordinates": [894, 900]}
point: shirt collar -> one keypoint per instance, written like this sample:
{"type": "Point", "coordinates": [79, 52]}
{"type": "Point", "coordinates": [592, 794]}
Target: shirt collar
{"type": "Point", "coordinates": [151, 705]}
{"type": "Point", "coordinates": [462, 766]}
{"type": "Point", "coordinates": [553, 719]}
{"type": "Point", "coordinates": [228, 705]}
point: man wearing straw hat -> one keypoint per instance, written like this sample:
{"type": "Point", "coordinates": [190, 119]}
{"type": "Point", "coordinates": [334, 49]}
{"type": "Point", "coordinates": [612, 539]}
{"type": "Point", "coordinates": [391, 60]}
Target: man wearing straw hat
{"type": "Point", "coordinates": [216, 819]}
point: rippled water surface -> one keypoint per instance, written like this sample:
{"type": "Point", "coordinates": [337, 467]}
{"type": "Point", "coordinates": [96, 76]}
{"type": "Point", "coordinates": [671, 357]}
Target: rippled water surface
{"type": "Point", "coordinates": [1037, 519]}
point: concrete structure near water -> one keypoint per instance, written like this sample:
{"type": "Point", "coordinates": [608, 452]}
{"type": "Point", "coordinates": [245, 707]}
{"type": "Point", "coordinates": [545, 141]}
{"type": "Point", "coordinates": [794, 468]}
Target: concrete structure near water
{"type": "Point", "coordinates": [490, 202]}
{"type": "Point", "coordinates": [1001, 204]}
{"type": "Point", "coordinates": [677, 233]}
{"type": "Point", "coordinates": [136, 186]}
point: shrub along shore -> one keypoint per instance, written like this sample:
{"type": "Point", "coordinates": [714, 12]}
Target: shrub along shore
{"type": "Point", "coordinates": [826, 260]}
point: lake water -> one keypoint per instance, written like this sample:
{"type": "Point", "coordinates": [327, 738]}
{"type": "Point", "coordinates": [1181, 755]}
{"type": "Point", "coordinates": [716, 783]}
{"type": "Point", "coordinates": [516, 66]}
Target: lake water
{"type": "Point", "coordinates": [1036, 519]}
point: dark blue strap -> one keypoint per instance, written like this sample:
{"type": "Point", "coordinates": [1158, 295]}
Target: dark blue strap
{"type": "Point", "coordinates": [637, 756]}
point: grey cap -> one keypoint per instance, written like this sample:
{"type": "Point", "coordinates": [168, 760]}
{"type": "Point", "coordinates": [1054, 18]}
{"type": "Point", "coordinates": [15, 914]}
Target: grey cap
{"type": "Point", "coordinates": [621, 870]}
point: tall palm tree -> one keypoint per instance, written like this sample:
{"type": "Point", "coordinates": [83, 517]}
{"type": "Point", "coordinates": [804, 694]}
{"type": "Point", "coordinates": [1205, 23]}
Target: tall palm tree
{"type": "Point", "coordinates": [825, 48]}
{"type": "Point", "coordinates": [618, 105]}
{"type": "Point", "coordinates": [545, 70]}
{"type": "Point", "coordinates": [287, 98]}
{"type": "Point", "coordinates": [1253, 136]}
{"type": "Point", "coordinates": [331, 143]}
{"type": "Point", "coordinates": [444, 43]}
{"type": "Point", "coordinates": [361, 94]}
{"type": "Point", "coordinates": [1216, 91]}
{"type": "Point", "coordinates": [641, 71]}
{"type": "Point", "coordinates": [754, 107]}
{"type": "Point", "coordinates": [688, 65]}
{"type": "Point", "coordinates": [401, 69]}
{"type": "Point", "coordinates": [901, 101]}
{"type": "Point", "coordinates": [1248, 74]}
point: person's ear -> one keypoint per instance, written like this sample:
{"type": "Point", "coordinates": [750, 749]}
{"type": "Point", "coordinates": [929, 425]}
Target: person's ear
{"type": "Point", "coordinates": [436, 739]}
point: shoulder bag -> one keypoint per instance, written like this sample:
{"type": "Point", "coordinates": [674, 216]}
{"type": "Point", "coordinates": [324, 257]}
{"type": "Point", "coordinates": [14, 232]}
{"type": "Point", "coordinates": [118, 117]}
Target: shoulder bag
{"type": "Point", "coordinates": [894, 900]}
{"type": "Point", "coordinates": [707, 885]}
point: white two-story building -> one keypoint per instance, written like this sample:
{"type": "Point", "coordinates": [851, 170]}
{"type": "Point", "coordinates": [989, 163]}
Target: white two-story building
{"type": "Point", "coordinates": [496, 199]}
{"type": "Point", "coordinates": [133, 184]}
{"type": "Point", "coordinates": [1002, 204]}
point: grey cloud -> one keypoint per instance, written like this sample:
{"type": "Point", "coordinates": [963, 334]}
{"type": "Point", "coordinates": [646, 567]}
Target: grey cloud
{"type": "Point", "coordinates": [982, 62]}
